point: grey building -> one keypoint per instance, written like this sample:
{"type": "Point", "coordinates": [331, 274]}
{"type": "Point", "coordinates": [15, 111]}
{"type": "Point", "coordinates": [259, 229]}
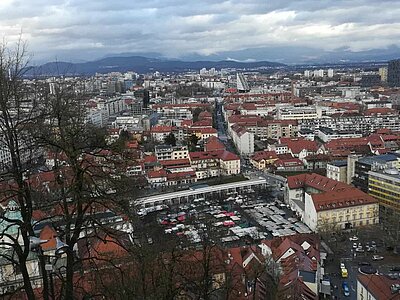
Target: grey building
{"type": "Point", "coordinates": [394, 73]}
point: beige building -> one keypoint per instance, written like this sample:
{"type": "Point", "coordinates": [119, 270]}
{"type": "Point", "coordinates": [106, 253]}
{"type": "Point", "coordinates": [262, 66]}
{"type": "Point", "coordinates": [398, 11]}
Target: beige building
{"type": "Point", "coordinates": [343, 209]}
{"type": "Point", "coordinates": [337, 170]}
{"type": "Point", "coordinates": [168, 152]}
{"type": "Point", "coordinates": [327, 204]}
{"type": "Point", "coordinates": [383, 72]}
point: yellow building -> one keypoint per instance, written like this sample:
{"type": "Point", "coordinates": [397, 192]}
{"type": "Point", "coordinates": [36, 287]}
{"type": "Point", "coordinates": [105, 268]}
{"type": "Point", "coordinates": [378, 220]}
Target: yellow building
{"type": "Point", "coordinates": [340, 210]}
{"type": "Point", "coordinates": [385, 186]}
{"type": "Point", "coordinates": [263, 159]}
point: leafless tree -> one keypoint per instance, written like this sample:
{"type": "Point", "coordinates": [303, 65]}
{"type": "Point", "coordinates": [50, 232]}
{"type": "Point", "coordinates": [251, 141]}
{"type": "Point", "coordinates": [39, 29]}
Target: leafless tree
{"type": "Point", "coordinates": [18, 110]}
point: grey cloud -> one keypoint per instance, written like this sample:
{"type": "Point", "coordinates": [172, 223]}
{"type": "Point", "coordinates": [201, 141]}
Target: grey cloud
{"type": "Point", "coordinates": [179, 27]}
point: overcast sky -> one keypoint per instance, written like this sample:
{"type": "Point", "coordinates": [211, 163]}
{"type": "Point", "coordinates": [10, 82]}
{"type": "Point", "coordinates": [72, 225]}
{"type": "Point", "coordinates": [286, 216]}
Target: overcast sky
{"type": "Point", "coordinates": [92, 28]}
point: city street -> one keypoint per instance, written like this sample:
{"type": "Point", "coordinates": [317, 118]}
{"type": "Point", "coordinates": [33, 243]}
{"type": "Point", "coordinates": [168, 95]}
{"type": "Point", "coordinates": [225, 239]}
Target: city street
{"type": "Point", "coordinates": [344, 252]}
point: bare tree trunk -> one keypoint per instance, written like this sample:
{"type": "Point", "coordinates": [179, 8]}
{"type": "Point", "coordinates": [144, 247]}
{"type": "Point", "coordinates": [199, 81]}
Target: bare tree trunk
{"type": "Point", "coordinates": [69, 283]}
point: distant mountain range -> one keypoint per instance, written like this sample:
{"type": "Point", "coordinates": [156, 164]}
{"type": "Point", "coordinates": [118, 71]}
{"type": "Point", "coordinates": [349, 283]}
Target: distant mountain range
{"type": "Point", "coordinates": [141, 64]}
{"type": "Point", "coordinates": [251, 58]}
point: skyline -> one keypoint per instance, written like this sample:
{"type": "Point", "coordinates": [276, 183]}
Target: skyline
{"type": "Point", "coordinates": [72, 30]}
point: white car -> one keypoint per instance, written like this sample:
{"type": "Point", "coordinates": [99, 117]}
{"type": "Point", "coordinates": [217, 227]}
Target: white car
{"type": "Point", "coordinates": [353, 238]}
{"type": "Point", "coordinates": [342, 266]}
{"type": "Point", "coordinates": [355, 245]}
{"type": "Point", "coordinates": [377, 257]}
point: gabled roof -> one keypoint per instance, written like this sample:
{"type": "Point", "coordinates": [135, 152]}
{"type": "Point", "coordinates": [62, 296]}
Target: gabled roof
{"type": "Point", "coordinates": [296, 145]}
{"type": "Point", "coordinates": [214, 144]}
{"type": "Point", "coordinates": [157, 174]}
{"type": "Point", "coordinates": [220, 154]}
{"type": "Point", "coordinates": [341, 198]}
{"type": "Point", "coordinates": [264, 155]}
{"type": "Point", "coordinates": [379, 286]}
{"type": "Point", "coordinates": [315, 181]}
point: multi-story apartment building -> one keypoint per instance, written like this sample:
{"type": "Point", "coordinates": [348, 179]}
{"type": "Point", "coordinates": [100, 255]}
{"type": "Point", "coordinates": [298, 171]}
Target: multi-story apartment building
{"type": "Point", "coordinates": [364, 165]}
{"type": "Point", "coordinates": [363, 124]}
{"type": "Point", "coordinates": [178, 111]}
{"type": "Point", "coordinates": [214, 163]}
{"type": "Point", "coordinates": [299, 113]}
{"type": "Point", "coordinates": [384, 185]}
{"type": "Point", "coordinates": [265, 129]}
{"type": "Point", "coordinates": [168, 152]}
{"type": "Point", "coordinates": [393, 73]}
{"type": "Point", "coordinates": [326, 134]}
{"type": "Point", "coordinates": [337, 170]}
{"type": "Point", "coordinates": [160, 132]}
{"type": "Point", "coordinates": [263, 159]}
{"type": "Point", "coordinates": [243, 139]}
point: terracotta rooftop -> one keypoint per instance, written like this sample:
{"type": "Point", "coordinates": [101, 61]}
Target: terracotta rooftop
{"type": "Point", "coordinates": [260, 155]}
{"type": "Point", "coordinates": [213, 143]}
{"type": "Point", "coordinates": [220, 154]}
{"type": "Point", "coordinates": [379, 286]}
{"type": "Point", "coordinates": [341, 198]}
{"type": "Point", "coordinates": [315, 181]}
{"type": "Point", "coordinates": [296, 145]}
{"type": "Point", "coordinates": [161, 129]}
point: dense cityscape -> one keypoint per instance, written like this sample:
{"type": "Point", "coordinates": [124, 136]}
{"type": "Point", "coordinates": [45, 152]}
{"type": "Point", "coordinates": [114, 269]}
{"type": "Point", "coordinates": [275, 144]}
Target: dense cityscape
{"type": "Point", "coordinates": [210, 161]}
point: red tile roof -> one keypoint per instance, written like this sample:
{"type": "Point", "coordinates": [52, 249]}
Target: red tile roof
{"type": "Point", "coordinates": [161, 129]}
{"type": "Point", "coordinates": [380, 111]}
{"type": "Point", "coordinates": [150, 159]}
{"type": "Point", "coordinates": [264, 155]}
{"type": "Point", "coordinates": [226, 155]}
{"type": "Point", "coordinates": [202, 123]}
{"type": "Point", "coordinates": [178, 163]}
{"type": "Point", "coordinates": [296, 145]}
{"type": "Point", "coordinates": [48, 233]}
{"type": "Point", "coordinates": [340, 198]}
{"type": "Point", "coordinates": [315, 181]}
{"type": "Point", "coordinates": [289, 162]}
{"type": "Point", "coordinates": [186, 123]}
{"type": "Point", "coordinates": [206, 130]}
{"type": "Point", "coordinates": [220, 154]}
{"type": "Point", "coordinates": [213, 144]}
{"type": "Point", "coordinates": [181, 175]}
{"type": "Point", "coordinates": [156, 174]}
{"type": "Point", "coordinates": [379, 286]}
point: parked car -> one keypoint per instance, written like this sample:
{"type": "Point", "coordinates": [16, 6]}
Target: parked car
{"type": "Point", "coordinates": [342, 266]}
{"type": "Point", "coordinates": [395, 269]}
{"type": "Point", "coordinates": [360, 250]}
{"type": "Point", "coordinates": [345, 287]}
{"type": "Point", "coordinates": [377, 257]}
{"type": "Point", "coordinates": [353, 238]}
{"type": "Point", "coordinates": [364, 263]}
{"type": "Point", "coordinates": [354, 245]}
